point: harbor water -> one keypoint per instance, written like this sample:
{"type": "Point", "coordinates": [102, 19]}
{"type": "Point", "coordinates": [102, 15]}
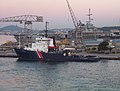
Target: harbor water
{"type": "Point", "coordinates": [64, 76]}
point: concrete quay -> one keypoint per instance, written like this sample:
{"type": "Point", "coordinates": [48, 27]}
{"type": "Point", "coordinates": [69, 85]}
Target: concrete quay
{"type": "Point", "coordinates": [102, 56]}
{"type": "Point", "coordinates": [8, 54]}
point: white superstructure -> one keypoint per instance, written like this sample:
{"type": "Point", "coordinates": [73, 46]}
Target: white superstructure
{"type": "Point", "coordinates": [41, 44]}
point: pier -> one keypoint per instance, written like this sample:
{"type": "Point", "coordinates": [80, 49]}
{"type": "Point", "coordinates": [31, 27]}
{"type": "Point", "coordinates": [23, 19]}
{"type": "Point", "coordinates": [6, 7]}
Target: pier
{"type": "Point", "coordinates": [10, 54]}
{"type": "Point", "coordinates": [103, 56]}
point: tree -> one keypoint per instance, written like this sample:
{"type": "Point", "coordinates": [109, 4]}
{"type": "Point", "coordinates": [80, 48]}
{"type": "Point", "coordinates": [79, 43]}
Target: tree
{"type": "Point", "coordinates": [103, 46]}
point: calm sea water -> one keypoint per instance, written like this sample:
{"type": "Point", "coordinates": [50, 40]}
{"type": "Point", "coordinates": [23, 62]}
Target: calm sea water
{"type": "Point", "coordinates": [66, 76]}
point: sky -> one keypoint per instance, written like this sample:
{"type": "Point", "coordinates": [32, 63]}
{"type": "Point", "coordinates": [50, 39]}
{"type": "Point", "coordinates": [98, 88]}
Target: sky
{"type": "Point", "coordinates": [56, 12]}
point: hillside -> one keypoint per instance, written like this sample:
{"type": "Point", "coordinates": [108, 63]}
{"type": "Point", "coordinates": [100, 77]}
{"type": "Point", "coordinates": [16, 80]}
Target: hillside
{"type": "Point", "coordinates": [11, 28]}
{"type": "Point", "coordinates": [15, 29]}
{"type": "Point", "coordinates": [110, 28]}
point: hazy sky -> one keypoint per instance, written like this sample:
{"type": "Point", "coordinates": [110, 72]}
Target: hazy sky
{"type": "Point", "coordinates": [105, 12]}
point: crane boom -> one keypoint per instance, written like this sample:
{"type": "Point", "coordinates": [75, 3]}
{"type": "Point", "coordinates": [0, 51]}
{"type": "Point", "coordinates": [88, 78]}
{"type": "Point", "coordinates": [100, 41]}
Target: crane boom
{"type": "Point", "coordinates": [75, 22]}
{"type": "Point", "coordinates": [23, 18]}
{"type": "Point", "coordinates": [79, 27]}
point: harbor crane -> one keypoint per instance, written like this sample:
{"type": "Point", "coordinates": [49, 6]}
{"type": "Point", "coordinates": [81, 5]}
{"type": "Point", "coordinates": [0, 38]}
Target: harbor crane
{"type": "Point", "coordinates": [25, 37]}
{"type": "Point", "coordinates": [77, 25]}
{"type": "Point", "coordinates": [74, 19]}
{"type": "Point", "coordinates": [26, 19]}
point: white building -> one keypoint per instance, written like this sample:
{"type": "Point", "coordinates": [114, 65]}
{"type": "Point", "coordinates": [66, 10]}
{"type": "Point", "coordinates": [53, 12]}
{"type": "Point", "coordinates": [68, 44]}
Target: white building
{"type": "Point", "coordinates": [115, 33]}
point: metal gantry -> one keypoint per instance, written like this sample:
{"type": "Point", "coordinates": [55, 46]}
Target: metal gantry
{"type": "Point", "coordinates": [25, 37]}
{"type": "Point", "coordinates": [26, 19]}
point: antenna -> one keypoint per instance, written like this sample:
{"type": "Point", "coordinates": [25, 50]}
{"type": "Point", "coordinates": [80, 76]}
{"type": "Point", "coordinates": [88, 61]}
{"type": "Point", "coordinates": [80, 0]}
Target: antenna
{"type": "Point", "coordinates": [46, 26]}
{"type": "Point", "coordinates": [89, 16]}
{"type": "Point", "coordinates": [19, 42]}
{"type": "Point", "coordinates": [119, 20]}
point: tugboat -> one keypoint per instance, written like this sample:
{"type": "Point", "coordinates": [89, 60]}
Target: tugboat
{"type": "Point", "coordinates": [32, 52]}
{"type": "Point", "coordinates": [44, 49]}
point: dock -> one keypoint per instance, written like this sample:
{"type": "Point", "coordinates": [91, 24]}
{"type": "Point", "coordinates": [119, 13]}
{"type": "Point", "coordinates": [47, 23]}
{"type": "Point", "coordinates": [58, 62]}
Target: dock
{"type": "Point", "coordinates": [102, 56]}
{"type": "Point", "coordinates": [10, 54]}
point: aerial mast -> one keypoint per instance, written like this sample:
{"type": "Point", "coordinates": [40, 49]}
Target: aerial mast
{"type": "Point", "coordinates": [46, 26]}
{"type": "Point", "coordinates": [89, 16]}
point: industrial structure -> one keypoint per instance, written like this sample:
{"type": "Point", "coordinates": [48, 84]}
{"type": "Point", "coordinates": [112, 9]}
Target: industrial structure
{"type": "Point", "coordinates": [27, 20]}
{"type": "Point", "coordinates": [77, 25]}
{"type": "Point", "coordinates": [82, 31]}
{"type": "Point", "coordinates": [25, 37]}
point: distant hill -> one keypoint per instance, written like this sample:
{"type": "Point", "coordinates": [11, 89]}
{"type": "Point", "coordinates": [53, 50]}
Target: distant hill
{"type": "Point", "coordinates": [110, 28]}
{"type": "Point", "coordinates": [14, 29]}
{"type": "Point", "coordinates": [11, 28]}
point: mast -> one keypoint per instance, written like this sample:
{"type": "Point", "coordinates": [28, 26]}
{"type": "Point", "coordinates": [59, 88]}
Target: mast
{"type": "Point", "coordinates": [19, 42]}
{"type": "Point", "coordinates": [89, 16]}
{"type": "Point", "coordinates": [46, 26]}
